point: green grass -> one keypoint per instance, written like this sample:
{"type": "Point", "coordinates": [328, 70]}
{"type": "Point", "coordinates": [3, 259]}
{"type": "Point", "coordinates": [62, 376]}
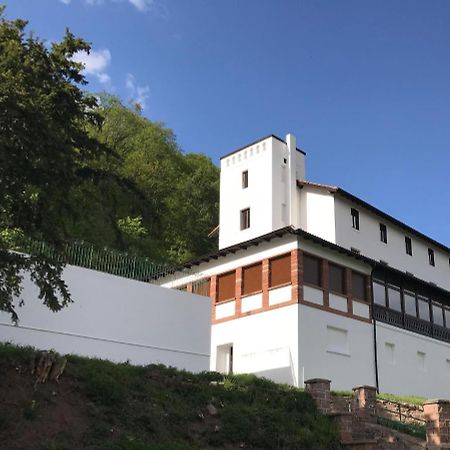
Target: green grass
{"type": "Point", "coordinates": [125, 407]}
{"type": "Point", "coordinates": [411, 399]}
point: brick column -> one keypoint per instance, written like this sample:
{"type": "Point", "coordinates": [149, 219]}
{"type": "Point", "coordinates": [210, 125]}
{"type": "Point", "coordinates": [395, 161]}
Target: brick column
{"type": "Point", "coordinates": [213, 296]}
{"type": "Point", "coordinates": [365, 402]}
{"type": "Point", "coordinates": [189, 287]}
{"type": "Point", "coordinates": [238, 291]}
{"type": "Point", "coordinates": [265, 283]}
{"type": "Point", "coordinates": [295, 281]}
{"type": "Point", "coordinates": [348, 290]}
{"type": "Point", "coordinates": [325, 282]}
{"type": "Point", "coordinates": [319, 390]}
{"type": "Point", "coordinates": [437, 414]}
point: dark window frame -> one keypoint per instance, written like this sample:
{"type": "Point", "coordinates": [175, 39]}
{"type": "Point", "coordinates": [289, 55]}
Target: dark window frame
{"type": "Point", "coordinates": [344, 283]}
{"type": "Point", "coordinates": [383, 233]}
{"type": "Point", "coordinates": [408, 246]}
{"type": "Point", "coordinates": [431, 259]}
{"type": "Point", "coordinates": [245, 218]}
{"type": "Point", "coordinates": [245, 179]}
{"type": "Point", "coordinates": [355, 218]}
{"type": "Point", "coordinates": [364, 277]}
{"type": "Point", "coordinates": [319, 260]}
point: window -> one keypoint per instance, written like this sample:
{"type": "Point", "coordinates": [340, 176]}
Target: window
{"type": "Point", "coordinates": [359, 286]}
{"type": "Point", "coordinates": [311, 270]}
{"type": "Point", "coordinates": [395, 300]}
{"type": "Point", "coordinates": [252, 279]}
{"type": "Point", "coordinates": [355, 218]}
{"type": "Point", "coordinates": [245, 179]}
{"type": "Point", "coordinates": [408, 245]}
{"type": "Point", "coordinates": [336, 279]}
{"type": "Point", "coordinates": [379, 293]}
{"type": "Point", "coordinates": [383, 233]}
{"type": "Point", "coordinates": [280, 270]}
{"type": "Point", "coordinates": [201, 287]}
{"type": "Point", "coordinates": [438, 314]}
{"type": "Point", "coordinates": [431, 257]}
{"type": "Point", "coordinates": [226, 286]}
{"type": "Point", "coordinates": [410, 303]}
{"type": "Point", "coordinates": [424, 308]}
{"type": "Point", "coordinates": [447, 317]}
{"type": "Point", "coordinates": [245, 218]}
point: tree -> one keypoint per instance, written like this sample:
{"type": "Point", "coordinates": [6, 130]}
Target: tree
{"type": "Point", "coordinates": [45, 149]}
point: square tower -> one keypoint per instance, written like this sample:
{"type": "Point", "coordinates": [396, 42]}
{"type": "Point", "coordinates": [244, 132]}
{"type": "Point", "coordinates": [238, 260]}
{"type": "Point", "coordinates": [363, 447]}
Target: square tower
{"type": "Point", "coordinates": [258, 192]}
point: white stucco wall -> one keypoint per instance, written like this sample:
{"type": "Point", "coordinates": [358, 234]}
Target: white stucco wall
{"type": "Point", "coordinates": [336, 348]}
{"type": "Point", "coordinates": [265, 344]}
{"type": "Point", "coordinates": [318, 213]}
{"type": "Point", "coordinates": [117, 319]}
{"type": "Point", "coordinates": [257, 159]}
{"type": "Point", "coordinates": [367, 240]}
{"type": "Point", "coordinates": [411, 364]}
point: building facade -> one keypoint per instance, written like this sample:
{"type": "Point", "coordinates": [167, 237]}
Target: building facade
{"type": "Point", "coordinates": [313, 282]}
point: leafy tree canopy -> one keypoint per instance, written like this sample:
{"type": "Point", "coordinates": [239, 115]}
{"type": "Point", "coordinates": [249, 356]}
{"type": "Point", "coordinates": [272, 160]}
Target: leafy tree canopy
{"type": "Point", "coordinates": [44, 141]}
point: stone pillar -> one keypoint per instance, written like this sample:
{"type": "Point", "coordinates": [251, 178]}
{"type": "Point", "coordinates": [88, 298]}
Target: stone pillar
{"type": "Point", "coordinates": [295, 280]}
{"type": "Point", "coordinates": [213, 296]}
{"type": "Point", "coordinates": [437, 414]}
{"type": "Point", "coordinates": [238, 291]}
{"type": "Point", "coordinates": [265, 283]}
{"type": "Point", "coordinates": [365, 402]}
{"type": "Point", "coordinates": [319, 390]}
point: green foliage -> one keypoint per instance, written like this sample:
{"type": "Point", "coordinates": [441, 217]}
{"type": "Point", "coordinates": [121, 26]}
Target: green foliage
{"type": "Point", "coordinates": [44, 141]}
{"type": "Point", "coordinates": [169, 203]}
{"type": "Point", "coordinates": [155, 407]}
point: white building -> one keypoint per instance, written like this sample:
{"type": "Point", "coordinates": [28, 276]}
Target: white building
{"type": "Point", "coordinates": [311, 281]}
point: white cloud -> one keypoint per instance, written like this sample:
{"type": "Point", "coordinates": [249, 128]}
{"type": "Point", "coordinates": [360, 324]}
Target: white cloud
{"type": "Point", "coordinates": [139, 94]}
{"type": "Point", "coordinates": [142, 5]}
{"type": "Point", "coordinates": [95, 63]}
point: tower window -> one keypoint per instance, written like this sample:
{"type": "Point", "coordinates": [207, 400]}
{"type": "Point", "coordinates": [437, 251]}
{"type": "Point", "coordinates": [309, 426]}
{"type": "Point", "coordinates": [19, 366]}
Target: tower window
{"type": "Point", "coordinates": [383, 233]}
{"type": "Point", "coordinates": [431, 257]}
{"type": "Point", "coordinates": [408, 245]}
{"type": "Point", "coordinates": [245, 218]}
{"type": "Point", "coordinates": [245, 179]}
{"type": "Point", "coordinates": [355, 218]}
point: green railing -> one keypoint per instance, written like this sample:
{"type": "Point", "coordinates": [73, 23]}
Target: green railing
{"type": "Point", "coordinates": [102, 259]}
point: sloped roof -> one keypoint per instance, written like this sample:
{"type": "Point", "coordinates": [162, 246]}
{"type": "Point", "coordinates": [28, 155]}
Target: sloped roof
{"type": "Point", "coordinates": [373, 209]}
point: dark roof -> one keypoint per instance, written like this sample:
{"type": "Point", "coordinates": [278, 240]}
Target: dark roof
{"type": "Point", "coordinates": [307, 236]}
{"type": "Point", "coordinates": [358, 201]}
{"type": "Point", "coordinates": [256, 142]}
{"type": "Point", "coordinates": [268, 237]}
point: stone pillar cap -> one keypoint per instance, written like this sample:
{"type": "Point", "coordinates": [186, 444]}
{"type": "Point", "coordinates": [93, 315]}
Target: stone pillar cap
{"type": "Point", "coordinates": [439, 401]}
{"type": "Point", "coordinates": [364, 386]}
{"type": "Point", "coordinates": [317, 380]}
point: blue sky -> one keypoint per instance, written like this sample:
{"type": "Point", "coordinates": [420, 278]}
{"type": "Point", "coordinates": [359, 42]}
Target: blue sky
{"type": "Point", "coordinates": [363, 84]}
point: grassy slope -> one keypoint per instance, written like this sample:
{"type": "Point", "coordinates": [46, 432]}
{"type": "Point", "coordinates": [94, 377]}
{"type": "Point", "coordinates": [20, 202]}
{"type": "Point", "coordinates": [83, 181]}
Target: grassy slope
{"type": "Point", "coordinates": [101, 405]}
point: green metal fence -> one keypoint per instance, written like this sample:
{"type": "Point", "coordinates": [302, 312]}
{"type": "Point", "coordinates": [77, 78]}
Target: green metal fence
{"type": "Point", "coordinates": [102, 259]}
